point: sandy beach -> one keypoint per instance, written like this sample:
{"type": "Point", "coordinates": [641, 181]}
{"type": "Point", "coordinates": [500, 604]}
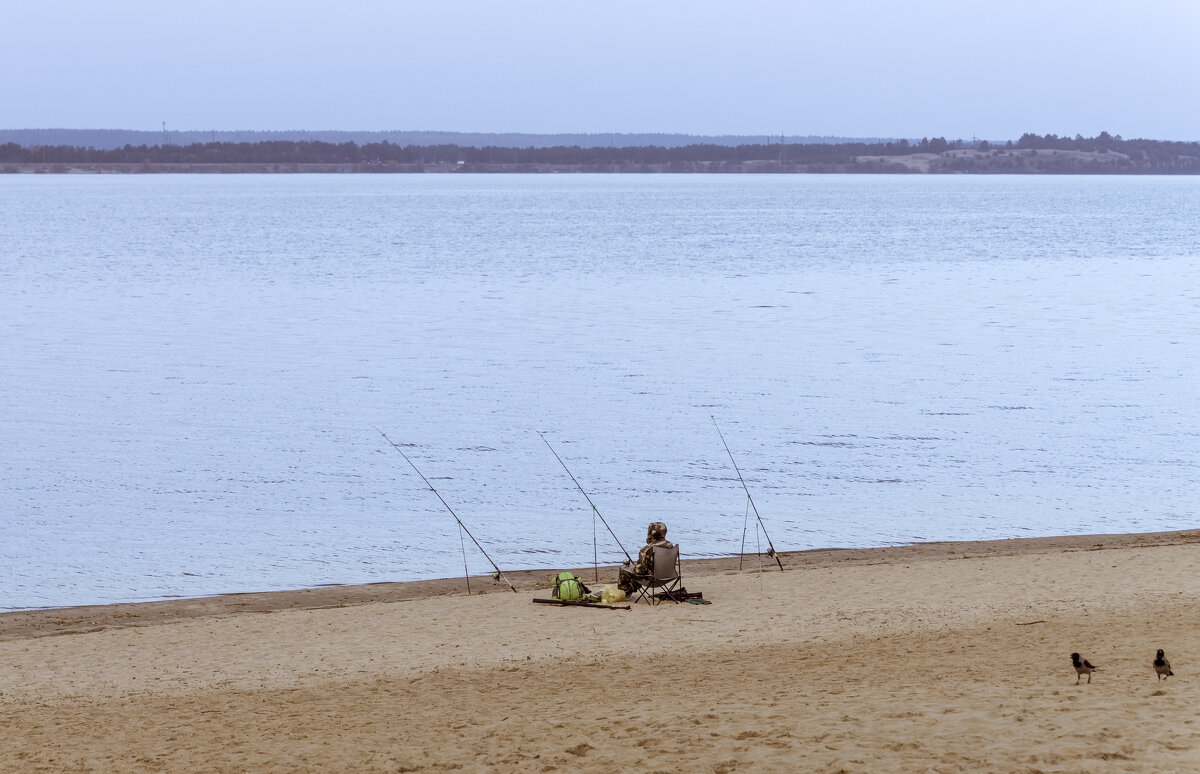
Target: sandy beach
{"type": "Point", "coordinates": [935, 657]}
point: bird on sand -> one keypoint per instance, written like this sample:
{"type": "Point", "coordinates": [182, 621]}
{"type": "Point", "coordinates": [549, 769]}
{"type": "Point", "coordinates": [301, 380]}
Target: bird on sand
{"type": "Point", "coordinates": [1161, 666]}
{"type": "Point", "coordinates": [1082, 667]}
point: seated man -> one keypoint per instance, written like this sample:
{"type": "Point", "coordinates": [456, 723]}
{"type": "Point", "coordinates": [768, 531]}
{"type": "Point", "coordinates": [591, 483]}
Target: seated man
{"type": "Point", "coordinates": [656, 537]}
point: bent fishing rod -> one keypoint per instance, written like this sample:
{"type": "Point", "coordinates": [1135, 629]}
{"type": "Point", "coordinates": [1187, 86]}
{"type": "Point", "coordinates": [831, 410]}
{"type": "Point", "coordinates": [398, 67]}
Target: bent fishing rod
{"type": "Point", "coordinates": [770, 546]}
{"type": "Point", "coordinates": [595, 510]}
{"type": "Point", "coordinates": [462, 526]}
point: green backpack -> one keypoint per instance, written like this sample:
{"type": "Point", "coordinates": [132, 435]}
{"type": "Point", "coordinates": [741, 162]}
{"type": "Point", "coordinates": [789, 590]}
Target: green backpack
{"type": "Point", "coordinates": [568, 588]}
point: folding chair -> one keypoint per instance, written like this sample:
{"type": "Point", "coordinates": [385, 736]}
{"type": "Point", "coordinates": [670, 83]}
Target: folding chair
{"type": "Point", "coordinates": [666, 576]}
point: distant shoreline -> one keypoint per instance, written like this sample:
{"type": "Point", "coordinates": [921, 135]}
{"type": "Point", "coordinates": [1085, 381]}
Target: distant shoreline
{"type": "Point", "coordinates": [952, 162]}
{"type": "Point", "coordinates": [896, 165]}
{"type": "Point", "coordinates": [1031, 154]}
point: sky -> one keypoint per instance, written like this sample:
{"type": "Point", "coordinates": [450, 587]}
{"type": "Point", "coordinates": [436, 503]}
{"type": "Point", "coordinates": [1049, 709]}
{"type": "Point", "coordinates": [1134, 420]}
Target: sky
{"type": "Point", "coordinates": [844, 67]}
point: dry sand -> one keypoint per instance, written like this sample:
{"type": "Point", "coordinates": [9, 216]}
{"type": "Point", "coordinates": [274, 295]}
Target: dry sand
{"type": "Point", "coordinates": [939, 657]}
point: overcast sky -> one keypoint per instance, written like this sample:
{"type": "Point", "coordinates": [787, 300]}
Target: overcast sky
{"type": "Point", "coordinates": [843, 67]}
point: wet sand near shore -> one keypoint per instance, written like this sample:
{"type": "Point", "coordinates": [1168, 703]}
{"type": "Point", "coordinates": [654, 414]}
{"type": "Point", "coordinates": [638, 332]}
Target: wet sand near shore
{"type": "Point", "coordinates": [938, 657]}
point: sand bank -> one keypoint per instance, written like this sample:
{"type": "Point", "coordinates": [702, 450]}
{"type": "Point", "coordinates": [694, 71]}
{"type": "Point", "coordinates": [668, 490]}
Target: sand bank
{"type": "Point", "coordinates": [941, 657]}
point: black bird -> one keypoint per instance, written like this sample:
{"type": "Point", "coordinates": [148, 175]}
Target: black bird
{"type": "Point", "coordinates": [1082, 667]}
{"type": "Point", "coordinates": [1161, 666]}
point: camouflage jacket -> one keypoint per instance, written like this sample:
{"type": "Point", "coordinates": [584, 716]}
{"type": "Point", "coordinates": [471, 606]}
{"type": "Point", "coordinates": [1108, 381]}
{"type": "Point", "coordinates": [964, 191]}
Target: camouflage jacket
{"type": "Point", "coordinates": [645, 560]}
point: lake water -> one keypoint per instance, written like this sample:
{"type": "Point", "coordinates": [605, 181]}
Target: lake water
{"type": "Point", "coordinates": [192, 369]}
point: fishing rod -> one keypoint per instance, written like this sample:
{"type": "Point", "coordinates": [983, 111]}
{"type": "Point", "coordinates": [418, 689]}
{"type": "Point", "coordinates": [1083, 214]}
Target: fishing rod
{"type": "Point", "coordinates": [461, 526]}
{"type": "Point", "coordinates": [770, 546]}
{"type": "Point", "coordinates": [595, 510]}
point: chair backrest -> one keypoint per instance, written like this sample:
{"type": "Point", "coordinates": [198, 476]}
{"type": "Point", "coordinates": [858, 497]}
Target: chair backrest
{"type": "Point", "coordinates": [666, 563]}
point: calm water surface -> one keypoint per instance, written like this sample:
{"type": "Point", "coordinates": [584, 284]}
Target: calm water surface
{"type": "Point", "coordinates": [191, 369]}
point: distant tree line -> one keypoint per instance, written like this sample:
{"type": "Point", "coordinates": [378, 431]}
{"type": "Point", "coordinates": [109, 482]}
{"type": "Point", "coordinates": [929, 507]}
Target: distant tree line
{"type": "Point", "coordinates": [317, 152]}
{"type": "Point", "coordinates": [1136, 150]}
{"type": "Point", "coordinates": [953, 156]}
{"type": "Point", "coordinates": [106, 139]}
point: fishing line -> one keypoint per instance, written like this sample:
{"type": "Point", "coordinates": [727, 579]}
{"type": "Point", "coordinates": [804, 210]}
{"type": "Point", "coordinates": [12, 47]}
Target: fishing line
{"type": "Point", "coordinates": [466, 572]}
{"type": "Point", "coordinates": [758, 547]}
{"type": "Point", "coordinates": [745, 523]}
